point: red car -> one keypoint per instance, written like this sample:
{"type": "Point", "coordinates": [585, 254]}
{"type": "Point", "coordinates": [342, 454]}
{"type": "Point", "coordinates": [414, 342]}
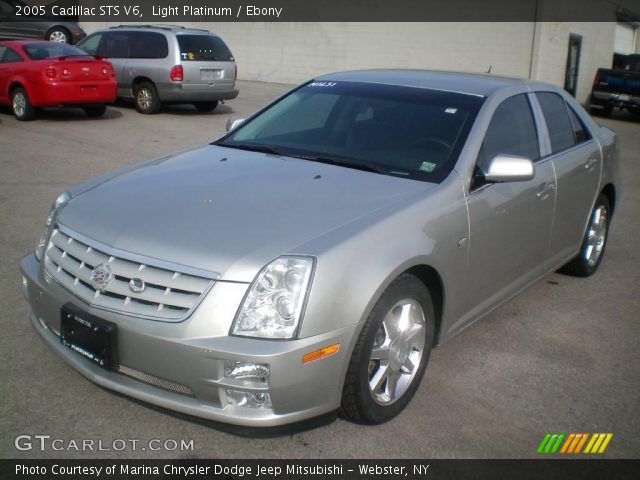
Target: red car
{"type": "Point", "coordinates": [45, 74]}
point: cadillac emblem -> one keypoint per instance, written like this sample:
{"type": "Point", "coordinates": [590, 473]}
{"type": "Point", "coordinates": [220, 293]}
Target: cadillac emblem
{"type": "Point", "coordinates": [137, 285]}
{"type": "Point", "coordinates": [101, 276]}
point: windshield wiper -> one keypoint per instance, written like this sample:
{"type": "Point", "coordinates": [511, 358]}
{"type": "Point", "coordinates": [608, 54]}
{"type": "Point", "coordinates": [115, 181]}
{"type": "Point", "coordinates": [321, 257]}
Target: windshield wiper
{"type": "Point", "coordinates": [358, 165]}
{"type": "Point", "coordinates": [251, 147]}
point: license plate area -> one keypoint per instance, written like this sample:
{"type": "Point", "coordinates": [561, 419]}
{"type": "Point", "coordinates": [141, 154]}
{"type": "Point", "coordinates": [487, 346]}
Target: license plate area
{"type": "Point", "coordinates": [210, 74]}
{"type": "Point", "coordinates": [89, 336]}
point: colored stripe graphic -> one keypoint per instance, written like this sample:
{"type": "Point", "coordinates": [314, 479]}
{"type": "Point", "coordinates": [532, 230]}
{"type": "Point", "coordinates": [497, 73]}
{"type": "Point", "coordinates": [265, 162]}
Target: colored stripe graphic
{"type": "Point", "coordinates": [573, 443]}
{"type": "Point", "coordinates": [598, 442]}
{"type": "Point", "coordinates": [551, 442]}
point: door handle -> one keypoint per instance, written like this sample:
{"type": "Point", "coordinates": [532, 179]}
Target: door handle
{"type": "Point", "coordinates": [545, 190]}
{"type": "Point", "coordinates": [590, 163]}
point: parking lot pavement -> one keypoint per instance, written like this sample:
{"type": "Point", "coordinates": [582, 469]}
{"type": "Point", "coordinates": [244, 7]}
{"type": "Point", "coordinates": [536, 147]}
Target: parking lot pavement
{"type": "Point", "coordinates": [561, 357]}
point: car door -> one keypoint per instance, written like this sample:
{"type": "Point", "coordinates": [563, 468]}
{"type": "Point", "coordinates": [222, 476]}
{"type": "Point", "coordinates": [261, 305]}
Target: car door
{"type": "Point", "coordinates": [8, 67]}
{"type": "Point", "coordinates": [509, 223]}
{"type": "Point", "coordinates": [8, 28]}
{"type": "Point", "coordinates": [577, 160]}
{"type": "Point", "coordinates": [116, 46]}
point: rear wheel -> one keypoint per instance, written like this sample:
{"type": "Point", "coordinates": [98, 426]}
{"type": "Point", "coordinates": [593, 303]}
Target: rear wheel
{"type": "Point", "coordinates": [586, 263]}
{"type": "Point", "coordinates": [206, 106]}
{"type": "Point", "coordinates": [58, 35]}
{"type": "Point", "coordinates": [95, 111]}
{"type": "Point", "coordinates": [21, 106]}
{"type": "Point", "coordinates": [145, 98]}
{"type": "Point", "coordinates": [391, 354]}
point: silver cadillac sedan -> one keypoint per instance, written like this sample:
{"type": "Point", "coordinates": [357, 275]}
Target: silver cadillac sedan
{"type": "Point", "coordinates": [309, 260]}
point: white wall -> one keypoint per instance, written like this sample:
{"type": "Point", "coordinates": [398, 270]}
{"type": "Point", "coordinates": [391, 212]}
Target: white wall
{"type": "Point", "coordinates": [292, 52]}
{"type": "Point", "coordinates": [550, 56]}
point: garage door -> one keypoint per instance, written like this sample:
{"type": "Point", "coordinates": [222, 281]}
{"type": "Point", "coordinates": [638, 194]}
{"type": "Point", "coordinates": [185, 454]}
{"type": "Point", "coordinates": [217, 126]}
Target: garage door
{"type": "Point", "coordinates": [625, 39]}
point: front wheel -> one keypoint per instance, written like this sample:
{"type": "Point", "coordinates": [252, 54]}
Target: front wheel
{"type": "Point", "coordinates": [586, 263]}
{"type": "Point", "coordinates": [391, 354]}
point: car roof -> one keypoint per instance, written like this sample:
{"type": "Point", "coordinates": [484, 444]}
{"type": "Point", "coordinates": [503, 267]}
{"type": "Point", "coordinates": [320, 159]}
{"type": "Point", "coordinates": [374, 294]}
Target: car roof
{"type": "Point", "coordinates": [468, 83]}
{"type": "Point", "coordinates": [161, 28]}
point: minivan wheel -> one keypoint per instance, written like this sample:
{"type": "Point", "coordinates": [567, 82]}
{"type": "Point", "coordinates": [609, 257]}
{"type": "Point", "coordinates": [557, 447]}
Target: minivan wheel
{"type": "Point", "coordinates": [58, 35]}
{"type": "Point", "coordinates": [95, 111]}
{"type": "Point", "coordinates": [391, 354]}
{"type": "Point", "coordinates": [586, 263]}
{"type": "Point", "coordinates": [206, 106]}
{"type": "Point", "coordinates": [145, 98]}
{"type": "Point", "coordinates": [21, 106]}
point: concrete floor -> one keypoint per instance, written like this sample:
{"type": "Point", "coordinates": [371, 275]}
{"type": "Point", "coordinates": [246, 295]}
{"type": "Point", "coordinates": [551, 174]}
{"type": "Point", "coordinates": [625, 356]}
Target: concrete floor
{"type": "Point", "coordinates": [562, 357]}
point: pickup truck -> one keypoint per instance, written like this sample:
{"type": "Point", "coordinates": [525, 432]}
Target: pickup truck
{"type": "Point", "coordinates": [617, 87]}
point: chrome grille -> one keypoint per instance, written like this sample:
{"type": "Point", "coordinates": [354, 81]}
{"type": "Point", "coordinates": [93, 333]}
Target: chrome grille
{"type": "Point", "coordinates": [168, 295]}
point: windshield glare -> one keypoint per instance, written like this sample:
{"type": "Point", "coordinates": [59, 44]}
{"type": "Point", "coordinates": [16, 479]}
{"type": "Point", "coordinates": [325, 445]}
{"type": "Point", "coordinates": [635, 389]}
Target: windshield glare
{"type": "Point", "coordinates": [403, 131]}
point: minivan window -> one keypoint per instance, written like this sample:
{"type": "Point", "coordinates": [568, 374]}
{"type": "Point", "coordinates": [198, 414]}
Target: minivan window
{"type": "Point", "coordinates": [558, 122]}
{"type": "Point", "coordinates": [203, 48]}
{"type": "Point", "coordinates": [512, 131]}
{"type": "Point", "coordinates": [91, 43]}
{"type": "Point", "coordinates": [116, 45]}
{"type": "Point", "coordinates": [148, 45]}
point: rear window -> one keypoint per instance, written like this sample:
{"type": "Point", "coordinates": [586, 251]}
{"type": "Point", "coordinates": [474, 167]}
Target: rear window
{"type": "Point", "coordinates": [203, 48]}
{"type": "Point", "coordinates": [42, 51]}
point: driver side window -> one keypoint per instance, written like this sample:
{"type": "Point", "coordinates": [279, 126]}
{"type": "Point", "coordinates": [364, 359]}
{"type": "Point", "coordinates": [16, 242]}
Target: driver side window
{"type": "Point", "coordinates": [512, 131]}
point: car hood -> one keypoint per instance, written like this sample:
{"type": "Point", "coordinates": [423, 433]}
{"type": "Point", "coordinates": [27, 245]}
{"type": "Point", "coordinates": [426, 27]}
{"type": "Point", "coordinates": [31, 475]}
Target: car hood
{"type": "Point", "coordinates": [227, 211]}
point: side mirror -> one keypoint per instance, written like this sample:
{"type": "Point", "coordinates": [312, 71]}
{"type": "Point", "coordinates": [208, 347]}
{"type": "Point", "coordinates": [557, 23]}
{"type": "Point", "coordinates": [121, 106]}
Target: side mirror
{"type": "Point", "coordinates": [234, 122]}
{"type": "Point", "coordinates": [508, 168]}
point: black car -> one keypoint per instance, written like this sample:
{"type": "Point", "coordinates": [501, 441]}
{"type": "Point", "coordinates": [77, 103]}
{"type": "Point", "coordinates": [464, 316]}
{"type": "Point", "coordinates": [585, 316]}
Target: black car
{"type": "Point", "coordinates": [20, 20]}
{"type": "Point", "coordinates": [617, 87]}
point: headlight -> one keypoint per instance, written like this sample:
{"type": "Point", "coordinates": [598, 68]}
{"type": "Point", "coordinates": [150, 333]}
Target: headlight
{"type": "Point", "coordinates": [62, 199]}
{"type": "Point", "coordinates": [273, 306]}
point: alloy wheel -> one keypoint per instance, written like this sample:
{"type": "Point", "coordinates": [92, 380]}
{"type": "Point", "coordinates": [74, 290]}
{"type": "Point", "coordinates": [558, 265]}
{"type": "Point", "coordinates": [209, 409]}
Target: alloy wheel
{"type": "Point", "coordinates": [19, 104]}
{"type": "Point", "coordinates": [397, 351]}
{"type": "Point", "coordinates": [596, 235]}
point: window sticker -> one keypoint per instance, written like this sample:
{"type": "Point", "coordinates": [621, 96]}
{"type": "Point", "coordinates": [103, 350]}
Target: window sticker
{"type": "Point", "coordinates": [322, 84]}
{"type": "Point", "coordinates": [427, 167]}
{"type": "Point", "coordinates": [451, 110]}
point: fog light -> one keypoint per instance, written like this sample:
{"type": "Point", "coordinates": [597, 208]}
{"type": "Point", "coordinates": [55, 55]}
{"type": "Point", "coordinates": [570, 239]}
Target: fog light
{"type": "Point", "coordinates": [253, 372]}
{"type": "Point", "coordinates": [239, 398]}
{"type": "Point", "coordinates": [24, 282]}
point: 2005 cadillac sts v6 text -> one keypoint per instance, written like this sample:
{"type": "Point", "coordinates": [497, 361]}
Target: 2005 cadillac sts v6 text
{"type": "Point", "coordinates": [310, 259]}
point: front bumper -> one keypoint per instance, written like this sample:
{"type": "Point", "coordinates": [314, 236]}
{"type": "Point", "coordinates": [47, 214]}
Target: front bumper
{"type": "Point", "coordinates": [179, 367]}
{"type": "Point", "coordinates": [608, 100]}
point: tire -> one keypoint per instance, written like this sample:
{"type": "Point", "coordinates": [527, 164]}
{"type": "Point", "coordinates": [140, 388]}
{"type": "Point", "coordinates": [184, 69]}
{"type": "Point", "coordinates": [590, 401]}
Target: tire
{"type": "Point", "coordinates": [95, 112]}
{"type": "Point", "coordinates": [206, 106]}
{"type": "Point", "coordinates": [594, 241]}
{"type": "Point", "coordinates": [145, 98]}
{"type": "Point", "coordinates": [59, 35]}
{"type": "Point", "coordinates": [365, 397]}
{"type": "Point", "coordinates": [21, 106]}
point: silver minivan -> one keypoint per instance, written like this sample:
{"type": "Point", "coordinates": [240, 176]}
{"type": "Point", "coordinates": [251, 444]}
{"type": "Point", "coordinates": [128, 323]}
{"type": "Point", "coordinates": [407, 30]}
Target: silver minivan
{"type": "Point", "coordinates": [158, 65]}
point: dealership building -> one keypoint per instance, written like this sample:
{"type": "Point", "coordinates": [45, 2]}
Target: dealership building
{"type": "Point", "coordinates": [562, 52]}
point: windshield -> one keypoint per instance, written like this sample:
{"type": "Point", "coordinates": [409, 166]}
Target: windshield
{"type": "Point", "coordinates": [41, 51]}
{"type": "Point", "coordinates": [402, 131]}
{"type": "Point", "coordinates": [203, 48]}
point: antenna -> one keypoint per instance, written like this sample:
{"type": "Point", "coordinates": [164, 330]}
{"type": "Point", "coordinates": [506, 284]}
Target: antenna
{"type": "Point", "coordinates": [490, 67]}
